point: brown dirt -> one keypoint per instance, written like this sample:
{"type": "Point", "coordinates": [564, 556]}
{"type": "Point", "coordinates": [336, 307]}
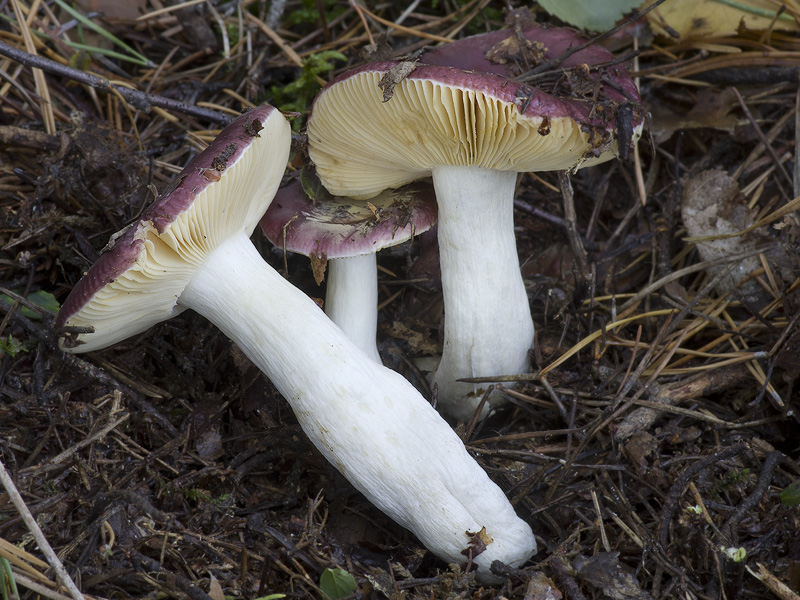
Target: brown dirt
{"type": "Point", "coordinates": [167, 466]}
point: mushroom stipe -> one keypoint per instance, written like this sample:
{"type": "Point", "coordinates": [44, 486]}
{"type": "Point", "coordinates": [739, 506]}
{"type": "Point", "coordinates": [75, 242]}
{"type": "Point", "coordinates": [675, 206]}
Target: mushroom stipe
{"type": "Point", "coordinates": [461, 118]}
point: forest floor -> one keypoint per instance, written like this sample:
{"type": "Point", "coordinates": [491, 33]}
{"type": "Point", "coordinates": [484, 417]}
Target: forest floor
{"type": "Point", "coordinates": [654, 446]}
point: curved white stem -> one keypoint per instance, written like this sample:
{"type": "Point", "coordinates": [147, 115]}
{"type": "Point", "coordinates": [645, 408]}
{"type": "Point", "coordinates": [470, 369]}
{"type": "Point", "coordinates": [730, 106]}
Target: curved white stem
{"type": "Point", "coordinates": [352, 300]}
{"type": "Point", "coordinates": [367, 420]}
{"type": "Point", "coordinates": [488, 327]}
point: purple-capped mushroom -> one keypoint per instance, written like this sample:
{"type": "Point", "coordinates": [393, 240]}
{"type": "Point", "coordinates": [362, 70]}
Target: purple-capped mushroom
{"type": "Point", "coordinates": [464, 121]}
{"type": "Point", "coordinates": [191, 249]}
{"type": "Point", "coordinates": [348, 234]}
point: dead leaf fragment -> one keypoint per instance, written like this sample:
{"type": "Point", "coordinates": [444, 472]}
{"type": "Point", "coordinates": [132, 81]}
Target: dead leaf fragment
{"type": "Point", "coordinates": [319, 262]}
{"type": "Point", "coordinates": [712, 109]}
{"type": "Point", "coordinates": [609, 576]}
{"type": "Point", "coordinates": [712, 206]}
{"type": "Point", "coordinates": [220, 162]}
{"type": "Point", "coordinates": [394, 76]}
{"type": "Point", "coordinates": [419, 342]}
{"type": "Point", "coordinates": [215, 589]}
{"type": "Point", "coordinates": [478, 541]}
{"type": "Point", "coordinates": [541, 587]}
{"type": "Point", "coordinates": [379, 50]}
{"type": "Point", "coordinates": [517, 51]}
{"type": "Point", "coordinates": [706, 18]}
{"type": "Point", "coordinates": [638, 448]}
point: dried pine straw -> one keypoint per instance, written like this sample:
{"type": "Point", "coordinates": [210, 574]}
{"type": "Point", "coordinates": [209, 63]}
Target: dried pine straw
{"type": "Point", "coordinates": [649, 447]}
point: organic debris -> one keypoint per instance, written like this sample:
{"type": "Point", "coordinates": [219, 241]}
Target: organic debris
{"type": "Point", "coordinates": [648, 449]}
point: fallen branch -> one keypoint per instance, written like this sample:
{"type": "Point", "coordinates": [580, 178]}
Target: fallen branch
{"type": "Point", "coordinates": [141, 101]}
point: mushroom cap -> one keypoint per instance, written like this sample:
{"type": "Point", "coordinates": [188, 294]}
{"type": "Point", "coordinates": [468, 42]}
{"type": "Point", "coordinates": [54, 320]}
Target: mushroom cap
{"type": "Point", "coordinates": [465, 115]}
{"type": "Point", "coordinates": [340, 227]}
{"type": "Point", "coordinates": [470, 53]}
{"type": "Point", "coordinates": [223, 191]}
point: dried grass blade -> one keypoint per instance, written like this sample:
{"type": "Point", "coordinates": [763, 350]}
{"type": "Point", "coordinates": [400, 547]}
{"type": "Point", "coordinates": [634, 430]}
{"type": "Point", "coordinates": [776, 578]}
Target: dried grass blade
{"type": "Point", "coordinates": [596, 334]}
{"type": "Point", "coordinates": [42, 89]}
{"type": "Point", "coordinates": [22, 559]}
{"type": "Point", "coordinates": [83, 20]}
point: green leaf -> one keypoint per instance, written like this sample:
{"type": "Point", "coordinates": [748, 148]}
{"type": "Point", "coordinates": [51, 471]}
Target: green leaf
{"type": "Point", "coordinates": [296, 96]}
{"type": "Point", "coordinates": [9, 585]}
{"type": "Point", "coordinates": [41, 298]}
{"type": "Point", "coordinates": [272, 597]}
{"type": "Point", "coordinates": [45, 300]}
{"type": "Point", "coordinates": [12, 346]}
{"type": "Point", "coordinates": [337, 583]}
{"type": "Point", "coordinates": [593, 15]}
{"type": "Point", "coordinates": [790, 496]}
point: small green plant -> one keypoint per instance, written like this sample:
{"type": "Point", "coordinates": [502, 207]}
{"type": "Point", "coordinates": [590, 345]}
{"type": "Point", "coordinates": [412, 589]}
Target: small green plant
{"type": "Point", "coordinates": [219, 500]}
{"type": "Point", "coordinates": [43, 299]}
{"type": "Point", "coordinates": [737, 555]}
{"type": "Point", "coordinates": [233, 34]}
{"type": "Point", "coordinates": [790, 496]}
{"type": "Point", "coordinates": [297, 95]}
{"type": "Point", "coordinates": [8, 586]}
{"type": "Point", "coordinates": [196, 495]}
{"type": "Point", "coordinates": [13, 347]}
{"type": "Point", "coordinates": [732, 478]}
{"type": "Point", "coordinates": [337, 583]}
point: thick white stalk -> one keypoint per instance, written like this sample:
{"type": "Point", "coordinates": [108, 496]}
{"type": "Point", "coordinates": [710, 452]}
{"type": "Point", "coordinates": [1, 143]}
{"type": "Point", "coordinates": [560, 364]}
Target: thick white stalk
{"type": "Point", "coordinates": [367, 420]}
{"type": "Point", "coordinates": [488, 327]}
{"type": "Point", "coordinates": [351, 300]}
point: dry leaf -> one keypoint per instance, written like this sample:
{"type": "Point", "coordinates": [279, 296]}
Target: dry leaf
{"type": "Point", "coordinates": [319, 262]}
{"type": "Point", "coordinates": [215, 590]}
{"type": "Point", "coordinates": [420, 344]}
{"type": "Point", "coordinates": [609, 576]}
{"type": "Point", "coordinates": [541, 587]}
{"type": "Point", "coordinates": [710, 18]}
{"type": "Point", "coordinates": [478, 541]}
{"type": "Point", "coordinates": [711, 205]}
{"type": "Point", "coordinates": [394, 76]}
{"type": "Point", "coordinates": [114, 9]}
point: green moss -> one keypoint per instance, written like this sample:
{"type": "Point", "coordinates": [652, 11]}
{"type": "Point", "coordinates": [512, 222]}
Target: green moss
{"type": "Point", "coordinates": [297, 95]}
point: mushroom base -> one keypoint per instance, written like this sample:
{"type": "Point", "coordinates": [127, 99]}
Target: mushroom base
{"type": "Point", "coordinates": [367, 420]}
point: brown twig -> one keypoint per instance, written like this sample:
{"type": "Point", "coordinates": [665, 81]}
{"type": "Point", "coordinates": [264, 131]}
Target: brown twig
{"type": "Point", "coordinates": [571, 224]}
{"type": "Point", "coordinates": [141, 101]}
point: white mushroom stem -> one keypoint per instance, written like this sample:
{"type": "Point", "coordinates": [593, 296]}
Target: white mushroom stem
{"type": "Point", "coordinates": [352, 300]}
{"type": "Point", "coordinates": [367, 420]}
{"type": "Point", "coordinates": [488, 327]}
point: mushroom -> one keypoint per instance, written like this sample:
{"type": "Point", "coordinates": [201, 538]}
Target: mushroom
{"type": "Point", "coordinates": [472, 128]}
{"type": "Point", "coordinates": [348, 234]}
{"type": "Point", "coordinates": [190, 249]}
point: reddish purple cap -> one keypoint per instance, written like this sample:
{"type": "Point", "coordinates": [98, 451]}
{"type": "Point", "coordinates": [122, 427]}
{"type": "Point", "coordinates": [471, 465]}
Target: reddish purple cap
{"type": "Point", "coordinates": [340, 227]}
{"type": "Point", "coordinates": [470, 54]}
{"type": "Point", "coordinates": [382, 125]}
{"type": "Point", "coordinates": [223, 191]}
